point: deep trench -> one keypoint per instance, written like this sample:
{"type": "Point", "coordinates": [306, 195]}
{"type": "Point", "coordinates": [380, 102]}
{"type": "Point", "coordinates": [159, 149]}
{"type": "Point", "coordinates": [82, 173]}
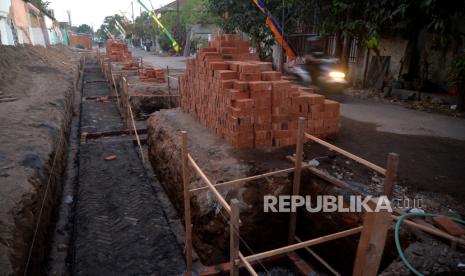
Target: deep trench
{"type": "Point", "coordinates": [115, 222]}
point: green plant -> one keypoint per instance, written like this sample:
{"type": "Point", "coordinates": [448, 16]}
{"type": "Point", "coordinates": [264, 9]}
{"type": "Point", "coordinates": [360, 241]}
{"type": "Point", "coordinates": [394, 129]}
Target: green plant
{"type": "Point", "coordinates": [456, 74]}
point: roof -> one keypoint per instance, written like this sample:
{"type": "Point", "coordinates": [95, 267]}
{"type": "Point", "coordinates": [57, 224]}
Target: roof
{"type": "Point", "coordinates": [170, 7]}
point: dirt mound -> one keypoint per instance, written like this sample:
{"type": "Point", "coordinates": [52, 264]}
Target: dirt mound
{"type": "Point", "coordinates": [36, 89]}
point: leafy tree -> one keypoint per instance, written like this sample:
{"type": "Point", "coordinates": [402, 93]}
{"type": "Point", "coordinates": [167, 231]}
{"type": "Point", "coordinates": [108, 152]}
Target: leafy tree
{"type": "Point", "coordinates": [84, 29]}
{"type": "Point", "coordinates": [109, 23]}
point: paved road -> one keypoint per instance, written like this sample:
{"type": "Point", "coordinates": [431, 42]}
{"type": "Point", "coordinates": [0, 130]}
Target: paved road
{"type": "Point", "coordinates": [176, 63]}
{"type": "Point", "coordinates": [400, 120]}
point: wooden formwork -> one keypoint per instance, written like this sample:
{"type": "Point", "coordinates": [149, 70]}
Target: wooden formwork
{"type": "Point", "coordinates": [373, 232]}
{"type": "Point", "coordinates": [370, 247]}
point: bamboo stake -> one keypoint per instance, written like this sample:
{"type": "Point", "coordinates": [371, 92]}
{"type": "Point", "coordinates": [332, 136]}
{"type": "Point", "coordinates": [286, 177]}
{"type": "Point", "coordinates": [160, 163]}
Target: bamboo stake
{"type": "Point", "coordinates": [210, 185]}
{"type": "Point", "coordinates": [247, 265]}
{"type": "Point", "coordinates": [297, 174]}
{"type": "Point", "coordinates": [234, 237]}
{"type": "Point", "coordinates": [304, 244]}
{"type": "Point", "coordinates": [137, 135]}
{"type": "Point", "coordinates": [348, 154]}
{"type": "Point", "coordinates": [187, 204]}
{"type": "Point", "coordinates": [392, 166]}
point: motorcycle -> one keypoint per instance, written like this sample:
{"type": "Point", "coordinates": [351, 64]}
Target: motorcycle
{"type": "Point", "coordinates": [323, 72]}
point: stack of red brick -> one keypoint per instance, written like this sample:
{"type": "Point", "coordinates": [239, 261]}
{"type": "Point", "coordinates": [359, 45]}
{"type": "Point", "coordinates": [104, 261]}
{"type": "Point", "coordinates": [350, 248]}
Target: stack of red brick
{"type": "Point", "coordinates": [244, 101]}
{"type": "Point", "coordinates": [150, 74]}
{"type": "Point", "coordinates": [117, 51]}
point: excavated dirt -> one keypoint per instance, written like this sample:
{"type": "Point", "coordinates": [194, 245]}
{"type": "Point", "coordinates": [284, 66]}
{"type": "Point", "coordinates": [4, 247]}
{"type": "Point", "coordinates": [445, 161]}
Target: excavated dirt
{"type": "Point", "coordinates": [34, 128]}
{"type": "Point", "coordinates": [220, 163]}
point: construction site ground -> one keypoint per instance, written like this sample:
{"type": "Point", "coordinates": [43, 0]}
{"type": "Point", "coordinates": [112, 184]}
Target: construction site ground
{"type": "Point", "coordinates": [431, 146]}
{"type": "Point", "coordinates": [120, 220]}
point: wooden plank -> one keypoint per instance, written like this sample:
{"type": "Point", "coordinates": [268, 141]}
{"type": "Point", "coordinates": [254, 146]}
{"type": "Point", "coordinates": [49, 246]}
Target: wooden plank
{"type": "Point", "coordinates": [320, 259]}
{"type": "Point", "coordinates": [304, 244]}
{"type": "Point", "coordinates": [331, 179]}
{"type": "Point", "coordinates": [247, 265]}
{"type": "Point", "coordinates": [297, 175]}
{"type": "Point", "coordinates": [215, 192]}
{"type": "Point", "coordinates": [392, 166]}
{"type": "Point", "coordinates": [234, 237]}
{"type": "Point", "coordinates": [348, 154]}
{"type": "Point", "coordinates": [431, 230]}
{"type": "Point", "coordinates": [246, 179]}
{"type": "Point", "coordinates": [187, 204]}
{"type": "Point", "coordinates": [371, 245]}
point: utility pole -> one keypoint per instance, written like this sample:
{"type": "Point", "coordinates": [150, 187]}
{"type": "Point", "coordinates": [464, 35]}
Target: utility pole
{"type": "Point", "coordinates": [132, 10]}
{"type": "Point", "coordinates": [178, 31]}
{"type": "Point", "coordinates": [283, 56]}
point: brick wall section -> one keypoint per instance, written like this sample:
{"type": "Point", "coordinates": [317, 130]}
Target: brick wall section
{"type": "Point", "coordinates": [82, 40]}
{"type": "Point", "coordinates": [247, 103]}
{"type": "Point", "coordinates": [117, 51]}
{"type": "Point", "coordinates": [151, 74]}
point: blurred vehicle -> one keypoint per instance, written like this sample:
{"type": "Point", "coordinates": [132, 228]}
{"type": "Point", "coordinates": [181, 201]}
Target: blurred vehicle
{"type": "Point", "coordinates": [320, 70]}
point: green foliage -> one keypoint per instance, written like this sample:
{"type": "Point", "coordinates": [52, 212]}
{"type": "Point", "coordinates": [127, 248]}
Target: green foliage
{"type": "Point", "coordinates": [84, 29]}
{"type": "Point", "coordinates": [109, 23]}
{"type": "Point", "coordinates": [456, 76]}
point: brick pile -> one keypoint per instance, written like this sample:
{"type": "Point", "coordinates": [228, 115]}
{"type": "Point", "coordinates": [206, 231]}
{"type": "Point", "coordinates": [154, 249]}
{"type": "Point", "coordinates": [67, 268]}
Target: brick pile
{"type": "Point", "coordinates": [150, 74]}
{"type": "Point", "coordinates": [246, 102]}
{"type": "Point", "coordinates": [117, 51]}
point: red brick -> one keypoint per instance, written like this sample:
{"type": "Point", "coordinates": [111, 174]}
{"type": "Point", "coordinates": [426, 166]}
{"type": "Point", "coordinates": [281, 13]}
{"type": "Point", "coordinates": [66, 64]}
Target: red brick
{"type": "Point", "coordinates": [249, 76]}
{"type": "Point", "coordinates": [249, 68]}
{"type": "Point", "coordinates": [259, 86]}
{"type": "Point", "coordinates": [225, 74]}
{"type": "Point", "coordinates": [271, 76]}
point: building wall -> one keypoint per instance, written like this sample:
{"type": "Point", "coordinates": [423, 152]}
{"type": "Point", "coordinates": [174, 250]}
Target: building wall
{"type": "Point", "coordinates": [23, 23]}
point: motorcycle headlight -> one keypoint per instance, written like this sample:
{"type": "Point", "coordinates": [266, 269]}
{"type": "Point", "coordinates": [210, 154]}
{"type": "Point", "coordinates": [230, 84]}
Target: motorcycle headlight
{"type": "Point", "coordinates": [337, 75]}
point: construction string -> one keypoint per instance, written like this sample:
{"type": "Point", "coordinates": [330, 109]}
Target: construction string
{"type": "Point", "coordinates": [236, 231]}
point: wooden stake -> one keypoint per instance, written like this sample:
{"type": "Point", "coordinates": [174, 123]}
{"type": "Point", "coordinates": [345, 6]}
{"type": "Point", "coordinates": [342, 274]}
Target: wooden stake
{"type": "Point", "coordinates": [297, 174]}
{"type": "Point", "coordinates": [247, 265]}
{"type": "Point", "coordinates": [215, 192]}
{"type": "Point", "coordinates": [169, 85]}
{"type": "Point", "coordinates": [304, 244]}
{"type": "Point", "coordinates": [187, 204]}
{"type": "Point", "coordinates": [246, 179]}
{"type": "Point", "coordinates": [234, 237]}
{"type": "Point", "coordinates": [392, 166]}
{"type": "Point", "coordinates": [371, 245]}
{"type": "Point", "coordinates": [347, 154]}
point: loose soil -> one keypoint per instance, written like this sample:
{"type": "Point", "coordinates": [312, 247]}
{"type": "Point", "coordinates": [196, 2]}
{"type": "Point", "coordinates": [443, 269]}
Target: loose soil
{"type": "Point", "coordinates": [34, 128]}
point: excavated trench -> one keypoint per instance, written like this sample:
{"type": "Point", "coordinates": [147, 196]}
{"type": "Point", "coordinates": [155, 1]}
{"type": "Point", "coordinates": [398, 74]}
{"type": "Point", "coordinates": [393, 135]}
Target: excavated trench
{"type": "Point", "coordinates": [260, 231]}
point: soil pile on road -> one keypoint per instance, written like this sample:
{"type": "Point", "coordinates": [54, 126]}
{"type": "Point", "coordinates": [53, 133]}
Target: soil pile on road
{"type": "Point", "coordinates": [36, 89]}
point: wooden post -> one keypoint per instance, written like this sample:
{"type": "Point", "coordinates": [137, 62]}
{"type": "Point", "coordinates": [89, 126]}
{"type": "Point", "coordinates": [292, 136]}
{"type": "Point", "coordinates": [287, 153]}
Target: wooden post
{"type": "Point", "coordinates": [297, 174]}
{"type": "Point", "coordinates": [392, 166]}
{"type": "Point", "coordinates": [371, 245]}
{"type": "Point", "coordinates": [187, 205]}
{"type": "Point", "coordinates": [234, 237]}
{"type": "Point", "coordinates": [169, 84]}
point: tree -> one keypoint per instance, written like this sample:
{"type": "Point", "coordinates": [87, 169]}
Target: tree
{"type": "Point", "coordinates": [109, 23]}
{"type": "Point", "coordinates": [84, 29]}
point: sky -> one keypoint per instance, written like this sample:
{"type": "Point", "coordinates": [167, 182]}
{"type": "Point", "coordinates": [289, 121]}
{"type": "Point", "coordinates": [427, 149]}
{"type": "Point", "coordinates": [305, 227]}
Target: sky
{"type": "Point", "coordinates": [92, 12]}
